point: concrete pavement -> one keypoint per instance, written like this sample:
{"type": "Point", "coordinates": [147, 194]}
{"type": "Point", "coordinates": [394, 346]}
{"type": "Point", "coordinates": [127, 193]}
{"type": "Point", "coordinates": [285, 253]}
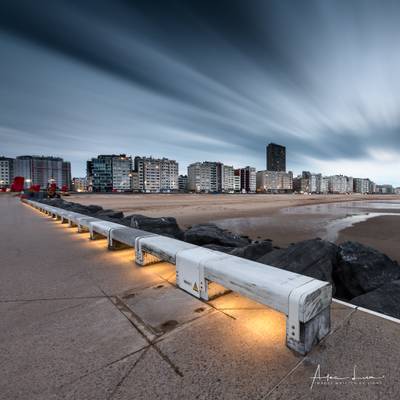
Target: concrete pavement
{"type": "Point", "coordinates": [80, 322]}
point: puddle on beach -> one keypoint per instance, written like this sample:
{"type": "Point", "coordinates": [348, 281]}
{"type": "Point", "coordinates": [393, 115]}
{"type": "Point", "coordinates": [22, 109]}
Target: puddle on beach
{"type": "Point", "coordinates": [319, 220]}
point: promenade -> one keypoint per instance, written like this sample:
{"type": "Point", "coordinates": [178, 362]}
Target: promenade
{"type": "Point", "coordinates": [80, 322]}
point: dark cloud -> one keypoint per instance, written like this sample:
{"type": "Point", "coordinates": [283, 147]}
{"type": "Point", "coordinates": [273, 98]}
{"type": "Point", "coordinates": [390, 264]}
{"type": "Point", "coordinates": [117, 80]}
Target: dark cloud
{"type": "Point", "coordinates": [202, 80]}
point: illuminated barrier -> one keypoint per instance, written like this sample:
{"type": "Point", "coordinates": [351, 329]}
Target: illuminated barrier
{"type": "Point", "coordinates": [154, 248]}
{"type": "Point", "coordinates": [305, 301]}
{"type": "Point", "coordinates": [118, 236]}
{"type": "Point", "coordinates": [125, 237]}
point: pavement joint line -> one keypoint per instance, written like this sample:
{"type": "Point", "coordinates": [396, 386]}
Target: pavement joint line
{"type": "Point", "coordinates": [51, 299]}
{"type": "Point", "coordinates": [243, 308]}
{"type": "Point", "coordinates": [63, 309]}
{"type": "Point", "coordinates": [285, 378]}
{"type": "Point", "coordinates": [150, 342]}
{"type": "Point", "coordinates": [133, 317]}
{"type": "Point", "coordinates": [121, 381]}
{"type": "Point", "coordinates": [102, 367]}
{"type": "Point", "coordinates": [221, 310]}
{"type": "Point", "coordinates": [331, 333]}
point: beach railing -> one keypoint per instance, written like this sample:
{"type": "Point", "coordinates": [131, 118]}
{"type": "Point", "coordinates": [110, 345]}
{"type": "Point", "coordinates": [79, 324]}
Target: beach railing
{"type": "Point", "coordinates": [305, 301]}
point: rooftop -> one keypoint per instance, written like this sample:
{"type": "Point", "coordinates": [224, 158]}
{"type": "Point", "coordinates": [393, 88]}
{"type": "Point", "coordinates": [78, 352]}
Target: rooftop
{"type": "Point", "coordinates": [79, 321]}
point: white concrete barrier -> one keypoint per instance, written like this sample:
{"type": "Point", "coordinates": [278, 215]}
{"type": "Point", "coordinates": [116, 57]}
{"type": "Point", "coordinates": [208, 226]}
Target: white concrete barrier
{"type": "Point", "coordinates": [101, 228]}
{"type": "Point", "coordinates": [305, 301]}
{"type": "Point", "coordinates": [150, 249]}
{"type": "Point", "coordinates": [126, 236]}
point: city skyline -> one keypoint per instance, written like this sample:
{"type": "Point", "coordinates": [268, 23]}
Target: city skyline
{"type": "Point", "coordinates": [132, 157]}
{"type": "Point", "coordinates": [205, 81]}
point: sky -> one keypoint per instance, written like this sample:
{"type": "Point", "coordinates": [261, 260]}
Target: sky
{"type": "Point", "coordinates": [204, 80]}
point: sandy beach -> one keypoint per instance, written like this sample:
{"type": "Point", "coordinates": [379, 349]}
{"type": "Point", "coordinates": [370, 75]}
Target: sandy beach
{"type": "Point", "coordinates": [190, 209]}
{"type": "Point", "coordinates": [382, 233]}
{"type": "Point", "coordinates": [283, 218]}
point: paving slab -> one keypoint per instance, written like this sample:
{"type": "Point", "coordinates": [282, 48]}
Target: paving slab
{"type": "Point", "coordinates": [164, 307]}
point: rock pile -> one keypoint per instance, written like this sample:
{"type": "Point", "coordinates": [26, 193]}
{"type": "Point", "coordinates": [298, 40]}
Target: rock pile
{"type": "Point", "coordinates": [358, 273]}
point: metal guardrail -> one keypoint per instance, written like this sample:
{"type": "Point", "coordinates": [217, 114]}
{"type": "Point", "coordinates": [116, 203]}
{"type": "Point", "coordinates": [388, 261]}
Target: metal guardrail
{"type": "Point", "coordinates": [305, 301]}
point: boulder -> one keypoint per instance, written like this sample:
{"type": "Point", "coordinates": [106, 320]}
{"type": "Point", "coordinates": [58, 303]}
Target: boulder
{"type": "Point", "coordinates": [166, 226]}
{"type": "Point", "coordinates": [93, 209]}
{"type": "Point", "coordinates": [109, 214]}
{"type": "Point", "coordinates": [315, 258]}
{"type": "Point", "coordinates": [203, 234]}
{"type": "Point", "coordinates": [385, 299]}
{"type": "Point", "coordinates": [361, 269]}
{"type": "Point", "coordinates": [217, 247]}
{"type": "Point", "coordinates": [253, 251]}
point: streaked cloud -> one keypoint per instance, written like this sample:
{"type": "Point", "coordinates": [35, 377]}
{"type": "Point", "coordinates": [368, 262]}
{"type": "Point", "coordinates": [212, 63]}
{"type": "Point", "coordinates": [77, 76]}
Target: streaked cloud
{"type": "Point", "coordinates": [195, 80]}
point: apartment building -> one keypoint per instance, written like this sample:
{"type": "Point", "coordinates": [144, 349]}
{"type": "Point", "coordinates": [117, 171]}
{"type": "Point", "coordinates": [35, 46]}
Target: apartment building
{"type": "Point", "coordinates": [338, 184]}
{"type": "Point", "coordinates": [274, 182]}
{"type": "Point", "coordinates": [248, 179]}
{"type": "Point", "coordinates": [182, 183]}
{"type": "Point", "coordinates": [6, 171]}
{"type": "Point", "coordinates": [108, 173]}
{"type": "Point", "coordinates": [205, 177]}
{"type": "Point", "coordinates": [362, 185]}
{"type": "Point", "coordinates": [79, 184]}
{"type": "Point", "coordinates": [157, 174]}
{"type": "Point", "coordinates": [228, 179]}
{"type": "Point", "coordinates": [41, 170]}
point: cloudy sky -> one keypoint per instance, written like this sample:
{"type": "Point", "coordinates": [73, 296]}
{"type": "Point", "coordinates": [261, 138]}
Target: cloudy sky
{"type": "Point", "coordinates": [204, 80]}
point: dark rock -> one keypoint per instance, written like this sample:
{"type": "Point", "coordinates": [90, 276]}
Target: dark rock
{"type": "Point", "coordinates": [93, 209]}
{"type": "Point", "coordinates": [203, 234]}
{"type": "Point", "coordinates": [385, 299]}
{"type": "Point", "coordinates": [253, 251]}
{"type": "Point", "coordinates": [109, 214]}
{"type": "Point", "coordinates": [166, 226]}
{"type": "Point", "coordinates": [361, 269]}
{"type": "Point", "coordinates": [217, 247]}
{"type": "Point", "coordinates": [315, 258]}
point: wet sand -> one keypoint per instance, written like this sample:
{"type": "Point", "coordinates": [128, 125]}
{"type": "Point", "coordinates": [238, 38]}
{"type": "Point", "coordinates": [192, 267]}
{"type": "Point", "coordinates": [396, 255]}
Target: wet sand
{"type": "Point", "coordinates": [191, 209]}
{"type": "Point", "coordinates": [381, 233]}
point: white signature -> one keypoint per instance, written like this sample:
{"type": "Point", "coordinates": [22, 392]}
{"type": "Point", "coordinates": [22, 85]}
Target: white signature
{"type": "Point", "coordinates": [330, 379]}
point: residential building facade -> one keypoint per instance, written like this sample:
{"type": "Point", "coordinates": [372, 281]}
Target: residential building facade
{"type": "Point", "coordinates": [338, 184]}
{"type": "Point", "coordinates": [308, 182]}
{"type": "Point", "coordinates": [228, 179]}
{"type": "Point", "coordinates": [350, 184]}
{"type": "Point", "coordinates": [182, 183]}
{"type": "Point", "coordinates": [6, 172]}
{"type": "Point", "coordinates": [157, 175]}
{"type": "Point", "coordinates": [108, 173]}
{"type": "Point", "coordinates": [362, 185]}
{"type": "Point", "coordinates": [236, 180]}
{"type": "Point", "coordinates": [121, 173]}
{"type": "Point", "coordinates": [135, 181]}
{"type": "Point", "coordinates": [276, 157]}
{"type": "Point", "coordinates": [248, 179]}
{"type": "Point", "coordinates": [205, 177]}
{"type": "Point", "coordinates": [325, 185]}
{"type": "Point", "coordinates": [41, 170]}
{"type": "Point", "coordinates": [274, 181]}
{"type": "Point", "coordinates": [384, 189]}
{"type": "Point", "coordinates": [79, 184]}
